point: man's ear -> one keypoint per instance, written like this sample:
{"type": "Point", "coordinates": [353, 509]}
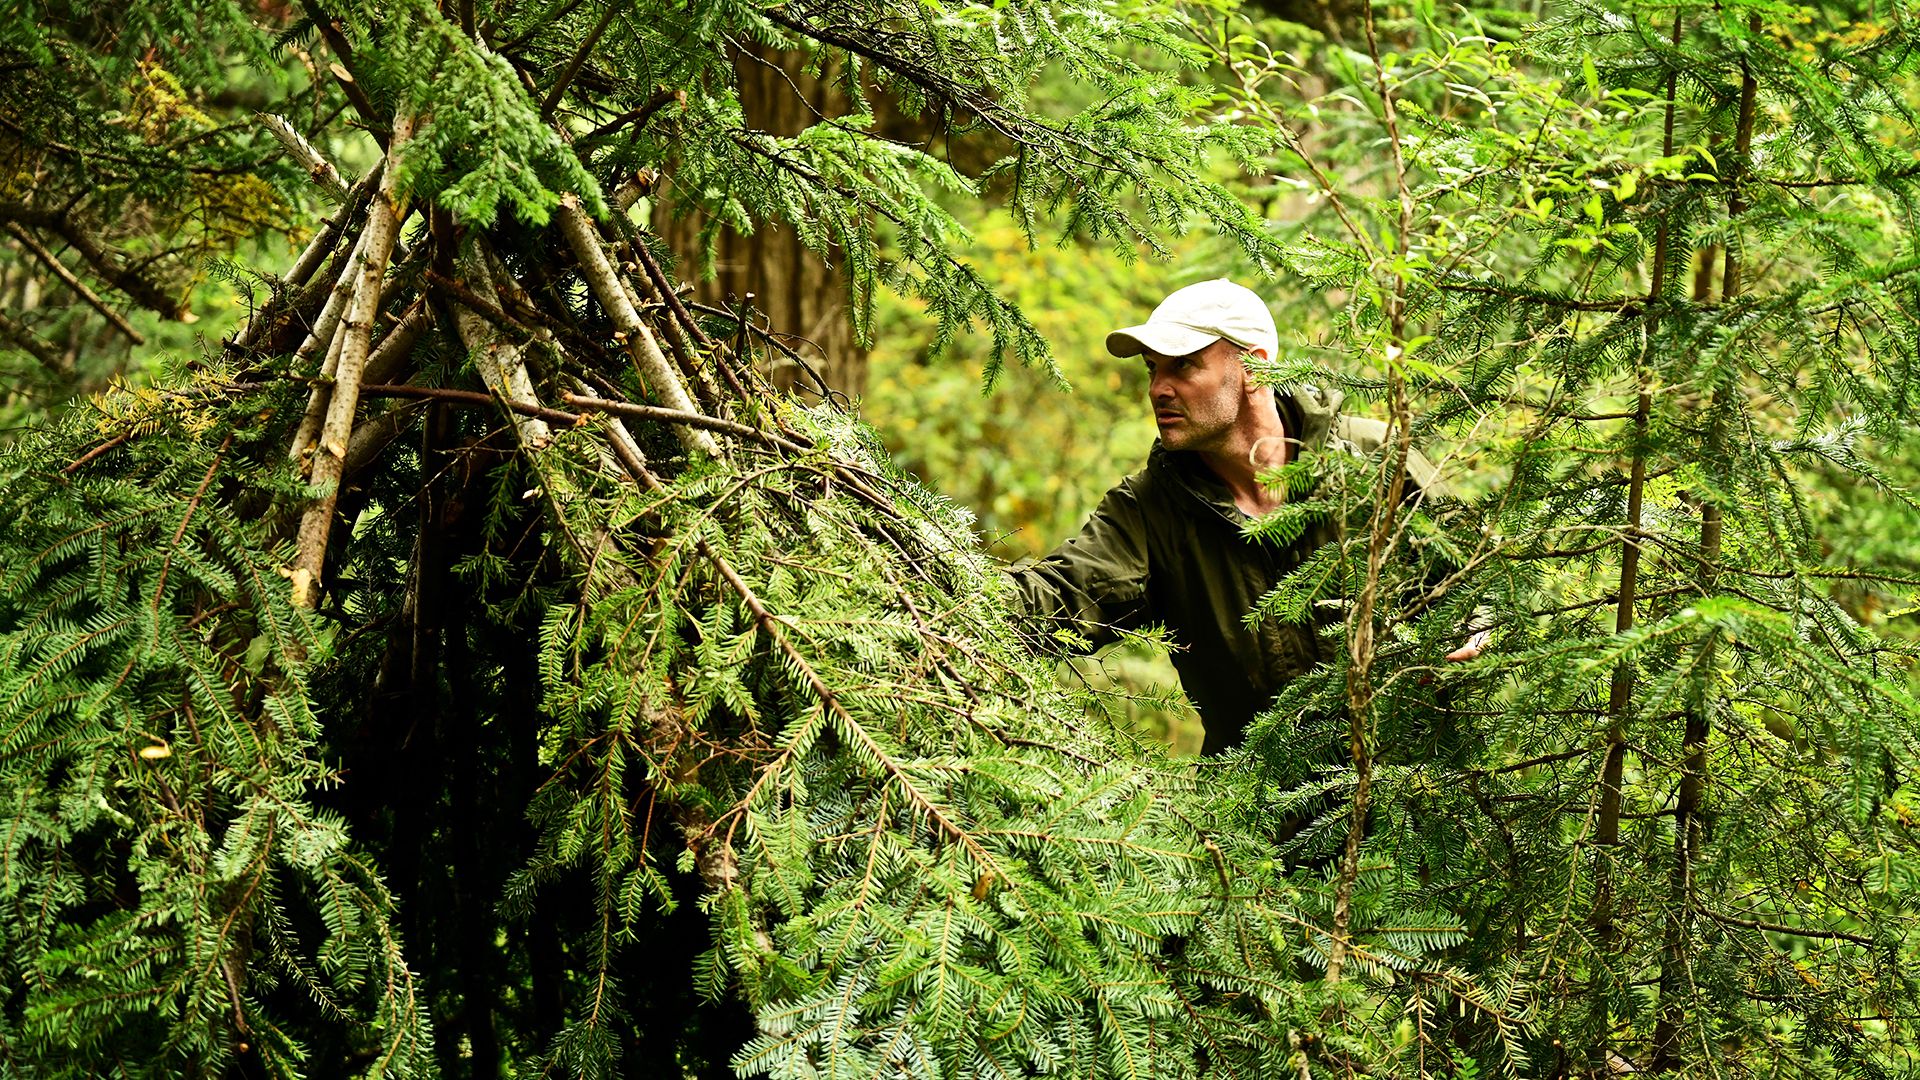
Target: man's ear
{"type": "Point", "coordinates": [1247, 385]}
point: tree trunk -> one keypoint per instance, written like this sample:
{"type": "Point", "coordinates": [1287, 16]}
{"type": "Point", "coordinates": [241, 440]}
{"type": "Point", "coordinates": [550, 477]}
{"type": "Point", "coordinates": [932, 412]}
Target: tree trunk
{"type": "Point", "coordinates": [795, 292]}
{"type": "Point", "coordinates": [1620, 689]}
{"type": "Point", "coordinates": [1676, 965]}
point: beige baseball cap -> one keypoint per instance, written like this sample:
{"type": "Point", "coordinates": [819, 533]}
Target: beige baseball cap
{"type": "Point", "coordinates": [1195, 317]}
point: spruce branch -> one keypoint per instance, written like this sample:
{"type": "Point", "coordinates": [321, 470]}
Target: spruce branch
{"type": "Point", "coordinates": [572, 69]}
{"type": "Point", "coordinates": [1676, 962]}
{"type": "Point", "coordinates": [1620, 689]}
{"type": "Point", "coordinates": [1381, 530]}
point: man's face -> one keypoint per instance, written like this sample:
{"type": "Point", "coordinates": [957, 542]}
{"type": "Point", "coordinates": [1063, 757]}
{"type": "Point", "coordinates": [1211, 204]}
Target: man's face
{"type": "Point", "coordinates": [1197, 398]}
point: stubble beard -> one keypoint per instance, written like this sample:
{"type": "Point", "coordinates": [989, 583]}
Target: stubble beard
{"type": "Point", "coordinates": [1199, 430]}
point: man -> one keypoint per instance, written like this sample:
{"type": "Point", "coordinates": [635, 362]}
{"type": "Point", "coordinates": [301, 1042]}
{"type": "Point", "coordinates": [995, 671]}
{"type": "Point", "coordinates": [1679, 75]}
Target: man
{"type": "Point", "coordinates": [1166, 544]}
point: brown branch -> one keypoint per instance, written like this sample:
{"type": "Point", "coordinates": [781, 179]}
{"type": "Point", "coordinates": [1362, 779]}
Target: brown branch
{"type": "Point", "coordinates": [481, 306]}
{"type": "Point", "coordinates": [1625, 305]}
{"type": "Point", "coordinates": [579, 57]}
{"type": "Point", "coordinates": [1620, 688]}
{"type": "Point", "coordinates": [1545, 759]}
{"type": "Point", "coordinates": [680, 416]}
{"type": "Point", "coordinates": [851, 477]}
{"type": "Point", "coordinates": [139, 288]}
{"type": "Point", "coordinates": [1776, 928]}
{"type": "Point", "coordinates": [1614, 599]}
{"type": "Point", "coordinates": [523, 311]}
{"type": "Point", "coordinates": [79, 287]}
{"type": "Point", "coordinates": [827, 393]}
{"type": "Point", "coordinates": [638, 115]}
{"type": "Point", "coordinates": [391, 354]}
{"type": "Point", "coordinates": [81, 462]}
{"type": "Point", "coordinates": [1688, 832]}
{"type": "Point", "coordinates": [322, 245]}
{"type": "Point", "coordinates": [664, 287]}
{"type": "Point", "coordinates": [472, 398]}
{"type": "Point", "coordinates": [199, 493]}
{"type": "Point", "coordinates": [343, 72]}
{"type": "Point", "coordinates": [499, 360]}
{"type": "Point", "coordinates": [1362, 646]}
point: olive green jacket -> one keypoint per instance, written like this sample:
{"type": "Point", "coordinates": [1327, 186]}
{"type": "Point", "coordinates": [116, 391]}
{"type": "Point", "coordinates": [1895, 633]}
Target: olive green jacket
{"type": "Point", "coordinates": [1166, 546]}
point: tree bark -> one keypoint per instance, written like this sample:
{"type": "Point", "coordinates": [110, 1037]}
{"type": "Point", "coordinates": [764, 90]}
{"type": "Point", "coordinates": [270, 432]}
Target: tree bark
{"type": "Point", "coordinates": [794, 292]}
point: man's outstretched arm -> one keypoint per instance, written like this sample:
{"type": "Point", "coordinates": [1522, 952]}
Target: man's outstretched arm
{"type": "Point", "coordinates": [1094, 584]}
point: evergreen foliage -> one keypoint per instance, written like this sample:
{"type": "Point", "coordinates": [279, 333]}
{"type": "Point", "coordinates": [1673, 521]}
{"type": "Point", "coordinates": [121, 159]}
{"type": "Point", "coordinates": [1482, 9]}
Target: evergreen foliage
{"type": "Point", "coordinates": [1646, 272]}
{"type": "Point", "coordinates": [474, 667]}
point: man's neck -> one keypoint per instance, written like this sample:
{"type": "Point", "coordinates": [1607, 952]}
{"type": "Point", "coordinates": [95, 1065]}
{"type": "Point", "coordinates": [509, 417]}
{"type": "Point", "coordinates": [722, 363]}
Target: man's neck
{"type": "Point", "coordinates": [1250, 449]}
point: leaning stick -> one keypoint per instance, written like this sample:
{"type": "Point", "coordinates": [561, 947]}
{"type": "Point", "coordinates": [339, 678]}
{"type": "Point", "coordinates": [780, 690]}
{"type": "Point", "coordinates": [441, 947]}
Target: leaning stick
{"type": "Point", "coordinates": [607, 289]}
{"type": "Point", "coordinates": [388, 357]}
{"type": "Point", "coordinates": [326, 332]}
{"type": "Point", "coordinates": [501, 365]}
{"type": "Point", "coordinates": [319, 169]}
{"type": "Point", "coordinates": [383, 224]}
{"type": "Point", "coordinates": [328, 320]}
{"type": "Point", "coordinates": [329, 234]}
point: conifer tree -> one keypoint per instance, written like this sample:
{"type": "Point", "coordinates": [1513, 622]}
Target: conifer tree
{"type": "Point", "coordinates": [1646, 271]}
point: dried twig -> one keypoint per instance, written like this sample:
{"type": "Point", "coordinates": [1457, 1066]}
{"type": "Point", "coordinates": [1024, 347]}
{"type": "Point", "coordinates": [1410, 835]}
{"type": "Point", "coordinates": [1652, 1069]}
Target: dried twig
{"type": "Point", "coordinates": [81, 462]}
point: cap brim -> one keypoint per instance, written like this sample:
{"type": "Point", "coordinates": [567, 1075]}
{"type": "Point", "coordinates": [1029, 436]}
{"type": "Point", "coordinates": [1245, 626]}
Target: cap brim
{"type": "Point", "coordinates": [1163, 338]}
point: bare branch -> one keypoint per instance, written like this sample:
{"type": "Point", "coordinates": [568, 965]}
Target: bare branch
{"type": "Point", "coordinates": [612, 295]}
{"type": "Point", "coordinates": [105, 262]}
{"type": "Point", "coordinates": [30, 343]}
{"type": "Point", "coordinates": [319, 169]}
{"type": "Point", "coordinates": [330, 459]}
{"type": "Point", "coordinates": [60, 271]}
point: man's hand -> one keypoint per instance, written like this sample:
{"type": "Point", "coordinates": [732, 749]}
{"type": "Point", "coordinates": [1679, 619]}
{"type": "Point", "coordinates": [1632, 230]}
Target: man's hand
{"type": "Point", "coordinates": [1472, 648]}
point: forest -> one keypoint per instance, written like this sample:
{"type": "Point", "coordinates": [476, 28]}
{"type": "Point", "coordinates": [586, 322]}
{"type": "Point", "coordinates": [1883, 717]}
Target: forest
{"type": "Point", "coordinates": [506, 508]}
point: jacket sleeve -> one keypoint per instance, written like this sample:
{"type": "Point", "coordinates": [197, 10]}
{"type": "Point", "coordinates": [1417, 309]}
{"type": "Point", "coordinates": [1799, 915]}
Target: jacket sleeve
{"type": "Point", "coordinates": [1094, 584]}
